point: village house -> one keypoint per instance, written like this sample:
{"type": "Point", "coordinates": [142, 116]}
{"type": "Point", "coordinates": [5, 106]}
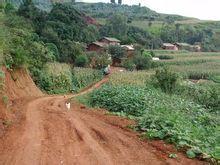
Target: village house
{"type": "Point", "coordinates": [102, 44]}
{"type": "Point", "coordinates": [186, 46]}
{"type": "Point", "coordinates": [182, 46]}
{"type": "Point", "coordinates": [110, 41]}
{"type": "Point", "coordinates": [129, 50]}
{"type": "Point", "coordinates": [97, 46]}
{"type": "Point", "coordinates": [197, 48]}
{"type": "Point", "coordinates": [169, 46]}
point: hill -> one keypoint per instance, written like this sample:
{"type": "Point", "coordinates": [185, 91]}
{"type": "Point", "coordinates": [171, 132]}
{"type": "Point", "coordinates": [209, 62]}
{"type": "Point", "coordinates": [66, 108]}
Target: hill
{"type": "Point", "coordinates": [103, 10]}
{"type": "Point", "coordinates": [134, 12]}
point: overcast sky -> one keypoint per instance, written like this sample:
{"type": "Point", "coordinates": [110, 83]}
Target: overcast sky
{"type": "Point", "coordinates": [202, 9]}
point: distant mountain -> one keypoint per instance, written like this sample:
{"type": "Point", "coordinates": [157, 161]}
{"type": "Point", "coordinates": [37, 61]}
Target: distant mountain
{"type": "Point", "coordinates": [42, 4]}
{"type": "Point", "coordinates": [104, 10]}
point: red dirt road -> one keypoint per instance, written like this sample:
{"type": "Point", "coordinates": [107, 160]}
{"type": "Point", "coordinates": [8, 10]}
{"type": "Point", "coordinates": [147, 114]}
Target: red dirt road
{"type": "Point", "coordinates": [52, 135]}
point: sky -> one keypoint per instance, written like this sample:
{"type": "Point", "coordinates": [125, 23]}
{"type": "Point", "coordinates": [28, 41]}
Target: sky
{"type": "Point", "coordinates": [202, 9]}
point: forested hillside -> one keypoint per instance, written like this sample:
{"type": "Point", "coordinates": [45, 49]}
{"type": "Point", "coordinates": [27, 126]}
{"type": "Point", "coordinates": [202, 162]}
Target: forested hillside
{"type": "Point", "coordinates": [141, 25]}
{"type": "Point", "coordinates": [150, 28]}
{"type": "Point", "coordinates": [37, 40]}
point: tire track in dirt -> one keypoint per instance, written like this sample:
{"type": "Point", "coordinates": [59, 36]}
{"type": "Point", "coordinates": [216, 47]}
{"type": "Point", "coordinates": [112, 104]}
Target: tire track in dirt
{"type": "Point", "coordinates": [54, 136]}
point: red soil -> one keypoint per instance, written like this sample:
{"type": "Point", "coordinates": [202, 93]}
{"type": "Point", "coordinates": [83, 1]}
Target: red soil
{"type": "Point", "coordinates": [47, 133]}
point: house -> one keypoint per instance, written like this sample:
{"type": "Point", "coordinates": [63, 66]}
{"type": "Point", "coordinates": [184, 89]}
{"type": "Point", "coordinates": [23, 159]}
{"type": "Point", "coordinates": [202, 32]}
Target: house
{"type": "Point", "coordinates": [183, 46]}
{"type": "Point", "coordinates": [129, 50]}
{"type": "Point", "coordinates": [102, 44]}
{"type": "Point", "coordinates": [169, 46]}
{"type": "Point", "coordinates": [197, 48]}
{"type": "Point", "coordinates": [186, 46]}
{"type": "Point", "coordinates": [110, 41]}
{"type": "Point", "coordinates": [97, 46]}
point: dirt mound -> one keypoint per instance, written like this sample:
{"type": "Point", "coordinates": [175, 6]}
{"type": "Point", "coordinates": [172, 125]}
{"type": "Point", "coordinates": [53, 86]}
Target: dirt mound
{"type": "Point", "coordinates": [18, 88]}
{"type": "Point", "coordinates": [18, 84]}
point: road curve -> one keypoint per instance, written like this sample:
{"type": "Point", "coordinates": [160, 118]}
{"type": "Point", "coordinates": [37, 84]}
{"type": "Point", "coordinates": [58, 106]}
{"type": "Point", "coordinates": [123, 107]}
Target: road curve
{"type": "Point", "coordinates": [52, 135]}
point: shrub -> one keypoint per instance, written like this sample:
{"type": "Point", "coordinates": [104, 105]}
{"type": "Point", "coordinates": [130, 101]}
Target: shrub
{"type": "Point", "coordinates": [2, 80]}
{"type": "Point", "coordinates": [196, 75]}
{"type": "Point", "coordinates": [166, 80]}
{"type": "Point", "coordinates": [81, 61]}
{"type": "Point", "coordinates": [165, 57]}
{"type": "Point", "coordinates": [116, 51]}
{"type": "Point", "coordinates": [142, 62]}
{"type": "Point", "coordinates": [207, 95]}
{"type": "Point", "coordinates": [128, 64]}
{"type": "Point", "coordinates": [99, 60]}
{"type": "Point", "coordinates": [146, 54]}
{"type": "Point", "coordinates": [17, 58]}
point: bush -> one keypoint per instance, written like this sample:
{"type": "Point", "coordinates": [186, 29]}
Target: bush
{"type": "Point", "coordinates": [17, 58]}
{"type": "Point", "coordinates": [2, 80]}
{"type": "Point", "coordinates": [99, 60]}
{"type": "Point", "coordinates": [142, 62]}
{"type": "Point", "coordinates": [207, 95]}
{"type": "Point", "coordinates": [53, 83]}
{"type": "Point", "coordinates": [146, 54]}
{"type": "Point", "coordinates": [165, 57]}
{"type": "Point", "coordinates": [81, 61]}
{"type": "Point", "coordinates": [128, 64]}
{"type": "Point", "coordinates": [196, 75]}
{"type": "Point", "coordinates": [166, 80]}
{"type": "Point", "coordinates": [116, 51]}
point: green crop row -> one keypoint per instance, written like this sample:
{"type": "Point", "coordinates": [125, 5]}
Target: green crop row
{"type": "Point", "coordinates": [57, 78]}
{"type": "Point", "coordinates": [163, 116]}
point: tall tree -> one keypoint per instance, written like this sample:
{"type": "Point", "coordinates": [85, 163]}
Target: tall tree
{"type": "Point", "coordinates": [112, 1]}
{"type": "Point", "coordinates": [116, 26]}
{"type": "Point", "coordinates": [119, 2]}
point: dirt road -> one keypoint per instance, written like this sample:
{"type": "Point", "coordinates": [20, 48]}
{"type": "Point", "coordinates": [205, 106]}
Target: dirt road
{"type": "Point", "coordinates": [52, 135]}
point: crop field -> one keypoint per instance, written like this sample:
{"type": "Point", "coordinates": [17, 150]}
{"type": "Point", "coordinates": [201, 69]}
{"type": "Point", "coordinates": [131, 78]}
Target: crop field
{"type": "Point", "coordinates": [130, 78]}
{"type": "Point", "coordinates": [188, 117]}
{"type": "Point", "coordinates": [191, 65]}
{"type": "Point", "coordinates": [62, 78]}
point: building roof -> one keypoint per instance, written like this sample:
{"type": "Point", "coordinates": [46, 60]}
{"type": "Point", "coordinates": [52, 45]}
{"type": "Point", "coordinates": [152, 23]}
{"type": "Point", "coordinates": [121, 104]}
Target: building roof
{"type": "Point", "coordinates": [101, 44]}
{"type": "Point", "coordinates": [182, 44]}
{"type": "Point", "coordinates": [128, 47]}
{"type": "Point", "coordinates": [111, 39]}
{"type": "Point", "coordinates": [168, 44]}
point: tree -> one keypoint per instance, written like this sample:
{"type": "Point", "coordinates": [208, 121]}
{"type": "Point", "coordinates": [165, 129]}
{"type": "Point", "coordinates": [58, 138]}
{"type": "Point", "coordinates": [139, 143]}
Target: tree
{"type": "Point", "coordinates": [116, 51]}
{"type": "Point", "coordinates": [112, 1]}
{"type": "Point", "coordinates": [116, 26]}
{"type": "Point", "coordinates": [166, 79]}
{"type": "Point", "coordinates": [81, 61]}
{"type": "Point", "coordinates": [119, 2]}
{"type": "Point", "coordinates": [142, 62]}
